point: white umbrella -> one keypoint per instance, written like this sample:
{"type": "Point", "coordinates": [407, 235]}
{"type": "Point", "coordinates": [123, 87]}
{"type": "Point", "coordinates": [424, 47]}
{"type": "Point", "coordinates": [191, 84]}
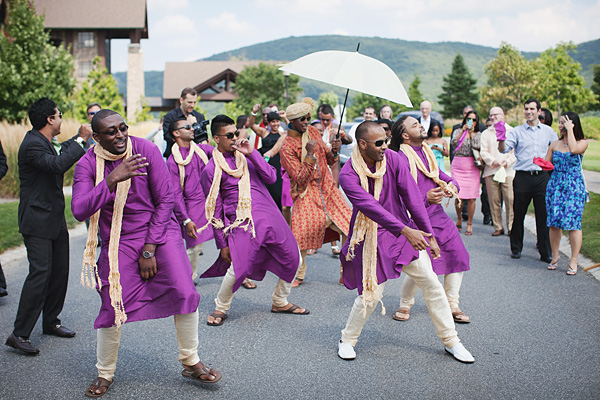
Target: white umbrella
{"type": "Point", "coordinates": [351, 70]}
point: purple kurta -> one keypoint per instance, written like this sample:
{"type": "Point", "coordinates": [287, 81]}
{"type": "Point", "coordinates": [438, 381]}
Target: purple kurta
{"type": "Point", "coordinates": [453, 254]}
{"type": "Point", "coordinates": [274, 248]}
{"type": "Point", "coordinates": [189, 202]}
{"type": "Point", "coordinates": [147, 218]}
{"type": "Point", "coordinates": [399, 193]}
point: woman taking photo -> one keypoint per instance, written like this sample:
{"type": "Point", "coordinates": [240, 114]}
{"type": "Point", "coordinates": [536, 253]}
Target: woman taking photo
{"type": "Point", "coordinates": [565, 192]}
{"type": "Point", "coordinates": [464, 167]}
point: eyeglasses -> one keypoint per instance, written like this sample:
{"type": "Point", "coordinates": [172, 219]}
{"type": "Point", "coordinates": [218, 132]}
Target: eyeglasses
{"type": "Point", "coordinates": [92, 112]}
{"type": "Point", "coordinates": [378, 143]}
{"type": "Point", "coordinates": [186, 127]}
{"type": "Point", "coordinates": [123, 128]}
{"type": "Point", "coordinates": [305, 118]}
{"type": "Point", "coordinates": [230, 135]}
{"type": "Point", "coordinates": [59, 115]}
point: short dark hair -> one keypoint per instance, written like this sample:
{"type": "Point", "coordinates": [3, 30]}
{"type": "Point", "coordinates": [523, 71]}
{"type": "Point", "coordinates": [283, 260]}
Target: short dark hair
{"type": "Point", "coordinates": [547, 116]}
{"type": "Point", "coordinates": [577, 129]}
{"type": "Point", "coordinates": [219, 122]}
{"type": "Point", "coordinates": [173, 125]}
{"type": "Point", "coordinates": [363, 128]}
{"type": "Point", "coordinates": [386, 121]}
{"type": "Point", "coordinates": [536, 101]}
{"type": "Point", "coordinates": [241, 121]}
{"type": "Point", "coordinates": [475, 124]}
{"type": "Point", "coordinates": [272, 116]}
{"type": "Point", "coordinates": [188, 90]}
{"type": "Point", "coordinates": [93, 105]}
{"type": "Point", "coordinates": [39, 112]}
{"type": "Point", "coordinates": [100, 115]}
{"type": "Point", "coordinates": [326, 109]}
{"type": "Point", "coordinates": [432, 124]}
{"type": "Point", "coordinates": [397, 130]}
{"type": "Point", "coordinates": [372, 108]}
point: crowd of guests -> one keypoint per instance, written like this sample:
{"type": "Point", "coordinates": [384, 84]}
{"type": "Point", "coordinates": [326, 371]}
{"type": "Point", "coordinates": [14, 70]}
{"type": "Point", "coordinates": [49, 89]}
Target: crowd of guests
{"type": "Point", "coordinates": [268, 194]}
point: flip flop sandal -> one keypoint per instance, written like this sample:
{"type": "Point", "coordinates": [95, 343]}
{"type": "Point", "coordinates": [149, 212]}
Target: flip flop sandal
{"type": "Point", "coordinates": [459, 227]}
{"type": "Point", "coordinates": [291, 311]}
{"type": "Point", "coordinates": [460, 317]}
{"type": "Point", "coordinates": [335, 250]}
{"type": "Point", "coordinates": [552, 266]}
{"type": "Point", "coordinates": [571, 271]}
{"type": "Point", "coordinates": [248, 284]}
{"type": "Point", "coordinates": [98, 383]}
{"type": "Point", "coordinates": [197, 373]}
{"type": "Point", "coordinates": [469, 232]}
{"type": "Point", "coordinates": [402, 310]}
{"type": "Point", "coordinates": [297, 282]}
{"type": "Point", "coordinates": [215, 316]}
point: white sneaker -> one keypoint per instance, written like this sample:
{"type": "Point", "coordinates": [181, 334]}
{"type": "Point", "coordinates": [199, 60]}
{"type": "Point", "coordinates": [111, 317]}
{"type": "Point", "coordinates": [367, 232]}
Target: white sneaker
{"type": "Point", "coordinates": [460, 353]}
{"type": "Point", "coordinates": [346, 351]}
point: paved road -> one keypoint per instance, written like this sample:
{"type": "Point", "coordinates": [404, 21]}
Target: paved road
{"type": "Point", "coordinates": [534, 336]}
{"type": "Point", "coordinates": [592, 180]}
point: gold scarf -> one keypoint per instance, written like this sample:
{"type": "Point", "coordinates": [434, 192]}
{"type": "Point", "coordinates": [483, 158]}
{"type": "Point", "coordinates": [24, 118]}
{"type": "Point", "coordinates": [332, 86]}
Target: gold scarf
{"type": "Point", "coordinates": [178, 158]}
{"type": "Point", "coordinates": [89, 271]}
{"type": "Point", "coordinates": [366, 229]}
{"type": "Point", "coordinates": [433, 173]}
{"type": "Point", "coordinates": [294, 185]}
{"type": "Point", "coordinates": [244, 208]}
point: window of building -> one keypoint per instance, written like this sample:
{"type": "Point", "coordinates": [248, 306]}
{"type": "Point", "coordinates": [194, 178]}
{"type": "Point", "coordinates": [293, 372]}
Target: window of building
{"type": "Point", "coordinates": [86, 39]}
{"type": "Point", "coordinates": [84, 68]}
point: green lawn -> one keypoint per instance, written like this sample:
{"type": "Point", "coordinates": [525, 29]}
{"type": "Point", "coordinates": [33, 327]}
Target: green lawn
{"type": "Point", "coordinates": [591, 158]}
{"type": "Point", "coordinates": [9, 228]}
{"type": "Point", "coordinates": [590, 225]}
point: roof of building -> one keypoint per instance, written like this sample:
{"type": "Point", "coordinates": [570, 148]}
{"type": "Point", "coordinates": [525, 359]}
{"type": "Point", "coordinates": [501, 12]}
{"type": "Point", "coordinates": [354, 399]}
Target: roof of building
{"type": "Point", "coordinates": [93, 14]}
{"type": "Point", "coordinates": [179, 75]}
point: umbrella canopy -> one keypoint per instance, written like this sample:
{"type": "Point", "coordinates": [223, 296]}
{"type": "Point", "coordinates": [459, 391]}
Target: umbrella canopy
{"type": "Point", "coordinates": [351, 70]}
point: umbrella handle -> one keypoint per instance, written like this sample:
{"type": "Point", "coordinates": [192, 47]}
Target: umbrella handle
{"type": "Point", "coordinates": [342, 115]}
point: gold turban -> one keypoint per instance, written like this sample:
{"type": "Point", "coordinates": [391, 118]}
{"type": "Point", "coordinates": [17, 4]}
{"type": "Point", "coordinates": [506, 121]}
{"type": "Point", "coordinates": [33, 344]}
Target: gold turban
{"type": "Point", "coordinates": [298, 110]}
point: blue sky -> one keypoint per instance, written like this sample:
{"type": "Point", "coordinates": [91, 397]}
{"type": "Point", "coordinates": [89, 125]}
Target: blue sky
{"type": "Point", "coordinates": [186, 30]}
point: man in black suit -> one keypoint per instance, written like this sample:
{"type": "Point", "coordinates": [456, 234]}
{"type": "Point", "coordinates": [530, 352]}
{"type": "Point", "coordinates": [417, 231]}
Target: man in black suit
{"type": "Point", "coordinates": [42, 164]}
{"type": "Point", "coordinates": [3, 169]}
{"type": "Point", "coordinates": [186, 111]}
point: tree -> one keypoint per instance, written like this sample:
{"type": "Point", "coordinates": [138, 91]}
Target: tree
{"type": "Point", "coordinates": [414, 93]}
{"type": "Point", "coordinates": [596, 85]}
{"type": "Point", "coordinates": [328, 98]}
{"type": "Point", "coordinates": [265, 84]}
{"type": "Point", "coordinates": [99, 87]}
{"type": "Point", "coordinates": [561, 87]}
{"type": "Point", "coordinates": [511, 80]}
{"type": "Point", "coordinates": [30, 67]}
{"type": "Point", "coordinates": [459, 89]}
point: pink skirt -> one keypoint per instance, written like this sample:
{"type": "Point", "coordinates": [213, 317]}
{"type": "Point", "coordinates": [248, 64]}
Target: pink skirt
{"type": "Point", "coordinates": [286, 197]}
{"type": "Point", "coordinates": [468, 176]}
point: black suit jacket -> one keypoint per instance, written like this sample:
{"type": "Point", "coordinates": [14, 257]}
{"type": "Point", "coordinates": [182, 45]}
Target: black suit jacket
{"type": "Point", "coordinates": [41, 171]}
{"type": "Point", "coordinates": [3, 163]}
{"type": "Point", "coordinates": [170, 117]}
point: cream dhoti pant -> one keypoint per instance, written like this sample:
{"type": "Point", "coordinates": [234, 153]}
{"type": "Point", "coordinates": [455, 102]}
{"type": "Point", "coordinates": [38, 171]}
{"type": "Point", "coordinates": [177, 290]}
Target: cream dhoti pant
{"type": "Point", "coordinates": [421, 272]}
{"type": "Point", "coordinates": [302, 270]}
{"type": "Point", "coordinates": [452, 284]}
{"type": "Point", "coordinates": [109, 339]}
{"type": "Point", "coordinates": [225, 295]}
{"type": "Point", "coordinates": [194, 256]}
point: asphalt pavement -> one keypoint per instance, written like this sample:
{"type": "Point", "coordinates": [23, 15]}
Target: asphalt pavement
{"type": "Point", "coordinates": [534, 335]}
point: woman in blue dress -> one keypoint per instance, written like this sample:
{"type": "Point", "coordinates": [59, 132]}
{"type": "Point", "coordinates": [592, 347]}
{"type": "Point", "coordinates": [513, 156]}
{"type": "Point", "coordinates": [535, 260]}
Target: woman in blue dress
{"type": "Point", "coordinates": [565, 193]}
{"type": "Point", "coordinates": [437, 143]}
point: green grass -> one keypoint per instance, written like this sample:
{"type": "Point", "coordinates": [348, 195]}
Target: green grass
{"type": "Point", "coordinates": [591, 158]}
{"type": "Point", "coordinates": [9, 227]}
{"type": "Point", "coordinates": [590, 225]}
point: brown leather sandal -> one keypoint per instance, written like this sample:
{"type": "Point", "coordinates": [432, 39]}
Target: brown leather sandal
{"type": "Point", "coordinates": [460, 317]}
{"type": "Point", "coordinates": [197, 374]}
{"type": "Point", "coordinates": [98, 383]}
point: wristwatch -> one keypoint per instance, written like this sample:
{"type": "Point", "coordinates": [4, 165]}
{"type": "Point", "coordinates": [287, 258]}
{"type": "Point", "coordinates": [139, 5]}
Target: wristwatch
{"type": "Point", "coordinates": [147, 254]}
{"type": "Point", "coordinates": [80, 140]}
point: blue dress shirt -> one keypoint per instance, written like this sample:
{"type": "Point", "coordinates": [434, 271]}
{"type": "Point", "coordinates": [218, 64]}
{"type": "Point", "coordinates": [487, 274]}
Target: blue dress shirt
{"type": "Point", "coordinates": [529, 142]}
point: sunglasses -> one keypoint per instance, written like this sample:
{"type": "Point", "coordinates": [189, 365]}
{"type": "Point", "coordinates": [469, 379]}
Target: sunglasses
{"type": "Point", "coordinates": [92, 112]}
{"type": "Point", "coordinates": [305, 118]}
{"type": "Point", "coordinates": [123, 128]}
{"type": "Point", "coordinates": [59, 115]}
{"type": "Point", "coordinates": [186, 127]}
{"type": "Point", "coordinates": [471, 119]}
{"type": "Point", "coordinates": [378, 143]}
{"type": "Point", "coordinates": [231, 134]}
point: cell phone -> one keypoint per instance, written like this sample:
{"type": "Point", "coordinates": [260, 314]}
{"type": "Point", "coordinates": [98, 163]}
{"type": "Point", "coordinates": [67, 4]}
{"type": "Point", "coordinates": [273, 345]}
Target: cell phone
{"type": "Point", "coordinates": [469, 123]}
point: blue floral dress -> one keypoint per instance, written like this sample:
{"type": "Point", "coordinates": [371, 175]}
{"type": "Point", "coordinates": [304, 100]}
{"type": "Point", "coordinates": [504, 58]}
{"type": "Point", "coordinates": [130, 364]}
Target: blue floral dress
{"type": "Point", "coordinates": [565, 193]}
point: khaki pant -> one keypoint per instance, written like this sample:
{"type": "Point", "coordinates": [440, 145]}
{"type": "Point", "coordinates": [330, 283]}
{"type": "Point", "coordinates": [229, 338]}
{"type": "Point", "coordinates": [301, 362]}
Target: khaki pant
{"type": "Point", "coordinates": [421, 272]}
{"type": "Point", "coordinates": [109, 339]}
{"type": "Point", "coordinates": [302, 270]}
{"type": "Point", "coordinates": [496, 192]}
{"type": "Point", "coordinates": [225, 295]}
{"type": "Point", "coordinates": [194, 256]}
{"type": "Point", "coordinates": [452, 284]}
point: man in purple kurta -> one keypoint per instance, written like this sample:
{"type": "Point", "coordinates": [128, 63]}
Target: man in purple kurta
{"type": "Point", "coordinates": [401, 240]}
{"type": "Point", "coordinates": [189, 196]}
{"type": "Point", "coordinates": [153, 269]}
{"type": "Point", "coordinates": [260, 242]}
{"type": "Point", "coordinates": [454, 258]}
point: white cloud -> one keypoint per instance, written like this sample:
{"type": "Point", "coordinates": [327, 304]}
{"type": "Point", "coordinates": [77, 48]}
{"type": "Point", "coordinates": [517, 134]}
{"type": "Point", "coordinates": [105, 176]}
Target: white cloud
{"type": "Point", "coordinates": [325, 8]}
{"type": "Point", "coordinates": [229, 22]}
